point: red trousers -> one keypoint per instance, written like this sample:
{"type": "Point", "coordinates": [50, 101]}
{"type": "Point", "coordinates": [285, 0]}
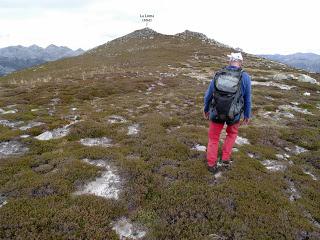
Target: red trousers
{"type": "Point", "coordinates": [213, 144]}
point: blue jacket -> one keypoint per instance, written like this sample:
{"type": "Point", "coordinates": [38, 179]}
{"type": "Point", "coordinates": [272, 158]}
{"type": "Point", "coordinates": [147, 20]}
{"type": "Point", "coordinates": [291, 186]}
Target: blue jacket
{"type": "Point", "coordinates": [246, 92]}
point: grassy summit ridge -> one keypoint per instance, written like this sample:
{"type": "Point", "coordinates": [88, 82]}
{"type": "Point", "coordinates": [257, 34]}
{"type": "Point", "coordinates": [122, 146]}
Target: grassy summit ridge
{"type": "Point", "coordinates": [157, 82]}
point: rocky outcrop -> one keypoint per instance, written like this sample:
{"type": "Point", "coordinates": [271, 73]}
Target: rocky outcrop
{"type": "Point", "coordinates": [290, 76]}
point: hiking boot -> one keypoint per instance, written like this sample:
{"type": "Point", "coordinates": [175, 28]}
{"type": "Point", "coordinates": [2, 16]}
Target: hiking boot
{"type": "Point", "coordinates": [226, 163]}
{"type": "Point", "coordinates": [213, 169]}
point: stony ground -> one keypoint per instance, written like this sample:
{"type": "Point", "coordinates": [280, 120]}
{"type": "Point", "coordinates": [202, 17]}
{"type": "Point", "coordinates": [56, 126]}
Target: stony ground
{"type": "Point", "coordinates": [111, 145]}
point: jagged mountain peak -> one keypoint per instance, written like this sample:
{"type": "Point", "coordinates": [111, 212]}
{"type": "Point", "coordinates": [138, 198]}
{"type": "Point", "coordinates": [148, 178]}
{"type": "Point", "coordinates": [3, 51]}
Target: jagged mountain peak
{"type": "Point", "coordinates": [52, 46]}
{"type": "Point", "coordinates": [35, 46]}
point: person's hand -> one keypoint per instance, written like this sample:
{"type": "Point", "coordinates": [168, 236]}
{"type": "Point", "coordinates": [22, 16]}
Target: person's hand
{"type": "Point", "coordinates": [206, 115]}
{"type": "Point", "coordinates": [245, 121]}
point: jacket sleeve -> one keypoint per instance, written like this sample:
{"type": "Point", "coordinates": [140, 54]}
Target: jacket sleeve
{"type": "Point", "coordinates": [208, 96]}
{"type": "Point", "coordinates": [247, 95]}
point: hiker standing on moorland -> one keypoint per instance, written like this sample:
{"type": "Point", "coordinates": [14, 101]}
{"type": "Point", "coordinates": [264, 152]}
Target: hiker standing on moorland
{"type": "Point", "coordinates": [228, 96]}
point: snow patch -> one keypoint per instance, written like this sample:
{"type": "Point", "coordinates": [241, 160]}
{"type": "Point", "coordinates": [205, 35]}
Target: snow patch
{"type": "Point", "coordinates": [102, 142]}
{"type": "Point", "coordinates": [306, 94]}
{"type": "Point", "coordinates": [125, 229]}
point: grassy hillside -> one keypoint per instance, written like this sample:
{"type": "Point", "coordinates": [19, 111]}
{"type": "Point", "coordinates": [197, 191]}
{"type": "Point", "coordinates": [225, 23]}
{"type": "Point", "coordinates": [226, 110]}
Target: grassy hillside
{"type": "Point", "coordinates": [154, 84]}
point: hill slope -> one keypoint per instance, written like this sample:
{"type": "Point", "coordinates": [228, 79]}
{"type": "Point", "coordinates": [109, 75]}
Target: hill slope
{"type": "Point", "coordinates": [306, 61]}
{"type": "Point", "coordinates": [18, 57]}
{"type": "Point", "coordinates": [110, 144]}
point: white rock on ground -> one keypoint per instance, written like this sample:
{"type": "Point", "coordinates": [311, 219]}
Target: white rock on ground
{"type": "Point", "coordinates": [242, 140]}
{"type": "Point", "coordinates": [306, 78]}
{"type": "Point", "coordinates": [31, 125]}
{"type": "Point", "coordinates": [216, 237]}
{"type": "Point", "coordinates": [311, 175]}
{"type": "Point", "coordinates": [283, 76]}
{"type": "Point", "coordinates": [133, 129]}
{"type": "Point", "coordinates": [12, 148]}
{"type": "Point", "coordinates": [3, 201]}
{"type": "Point", "coordinates": [10, 124]}
{"type": "Point", "coordinates": [116, 119]}
{"type": "Point", "coordinates": [296, 149]}
{"type": "Point", "coordinates": [273, 165]}
{"type": "Point", "coordinates": [108, 185]}
{"type": "Point", "coordinates": [202, 77]}
{"type": "Point", "coordinates": [127, 230]}
{"type": "Point", "coordinates": [269, 98]}
{"type": "Point", "coordinates": [199, 147]}
{"type": "Point", "coordinates": [218, 175]}
{"type": "Point", "coordinates": [13, 111]}
{"type": "Point", "coordinates": [273, 84]}
{"type": "Point", "coordinates": [294, 108]}
{"type": "Point", "coordinates": [153, 86]}
{"type": "Point", "coordinates": [54, 101]}
{"type": "Point", "coordinates": [25, 136]}
{"type": "Point", "coordinates": [278, 115]}
{"type": "Point", "coordinates": [143, 106]}
{"type": "Point", "coordinates": [11, 106]}
{"type": "Point", "coordinates": [294, 194]}
{"type": "Point", "coordinates": [102, 142]}
{"type": "Point", "coordinates": [54, 134]}
{"type": "Point", "coordinates": [299, 150]}
{"type": "Point", "coordinates": [306, 94]}
{"type": "Point", "coordinates": [281, 156]}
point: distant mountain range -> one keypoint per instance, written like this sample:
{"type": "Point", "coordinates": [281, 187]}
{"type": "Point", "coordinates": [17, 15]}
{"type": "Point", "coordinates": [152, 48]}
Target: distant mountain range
{"type": "Point", "coordinates": [306, 61]}
{"type": "Point", "coordinates": [15, 58]}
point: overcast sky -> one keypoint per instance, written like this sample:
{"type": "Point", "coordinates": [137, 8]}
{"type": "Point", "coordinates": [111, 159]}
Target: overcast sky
{"type": "Point", "coordinates": [266, 26]}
